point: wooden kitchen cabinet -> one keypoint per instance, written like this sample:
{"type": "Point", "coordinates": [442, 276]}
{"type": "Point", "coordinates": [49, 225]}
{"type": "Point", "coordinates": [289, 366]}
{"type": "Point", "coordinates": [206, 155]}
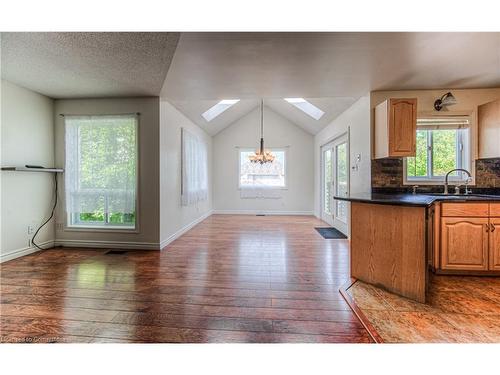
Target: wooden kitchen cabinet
{"type": "Point", "coordinates": [489, 130]}
{"type": "Point", "coordinates": [495, 209]}
{"type": "Point", "coordinates": [494, 254]}
{"type": "Point", "coordinates": [464, 243]}
{"type": "Point", "coordinates": [395, 128]}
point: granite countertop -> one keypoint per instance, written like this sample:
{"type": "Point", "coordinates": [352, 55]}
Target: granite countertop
{"type": "Point", "coordinates": [418, 200]}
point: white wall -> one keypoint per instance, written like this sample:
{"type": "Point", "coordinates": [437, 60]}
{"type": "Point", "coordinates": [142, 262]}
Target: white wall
{"type": "Point", "coordinates": [175, 218]}
{"type": "Point", "coordinates": [148, 234]}
{"type": "Point", "coordinates": [356, 121]}
{"type": "Point", "coordinates": [27, 138]}
{"type": "Point", "coordinates": [278, 133]}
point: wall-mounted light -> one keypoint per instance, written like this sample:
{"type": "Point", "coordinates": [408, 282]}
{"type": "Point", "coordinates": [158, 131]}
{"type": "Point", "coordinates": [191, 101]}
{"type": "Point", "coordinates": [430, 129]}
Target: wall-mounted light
{"type": "Point", "coordinates": [444, 101]}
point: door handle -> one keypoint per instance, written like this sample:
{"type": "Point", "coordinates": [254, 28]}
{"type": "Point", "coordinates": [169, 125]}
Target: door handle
{"type": "Point", "coordinates": [487, 227]}
{"type": "Point", "coordinates": [492, 227]}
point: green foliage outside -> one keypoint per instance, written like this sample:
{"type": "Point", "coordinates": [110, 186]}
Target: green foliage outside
{"type": "Point", "coordinates": [116, 218]}
{"type": "Point", "coordinates": [108, 159]}
{"type": "Point", "coordinates": [444, 156]}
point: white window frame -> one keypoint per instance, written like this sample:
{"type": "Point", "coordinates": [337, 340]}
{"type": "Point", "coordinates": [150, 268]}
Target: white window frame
{"type": "Point", "coordinates": [71, 225]}
{"type": "Point", "coordinates": [274, 149]}
{"type": "Point", "coordinates": [463, 157]}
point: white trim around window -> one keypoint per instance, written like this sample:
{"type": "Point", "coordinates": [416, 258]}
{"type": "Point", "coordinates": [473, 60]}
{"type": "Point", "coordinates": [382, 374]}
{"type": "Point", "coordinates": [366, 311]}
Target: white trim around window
{"type": "Point", "coordinates": [70, 224]}
{"type": "Point", "coordinates": [285, 150]}
{"type": "Point", "coordinates": [464, 159]}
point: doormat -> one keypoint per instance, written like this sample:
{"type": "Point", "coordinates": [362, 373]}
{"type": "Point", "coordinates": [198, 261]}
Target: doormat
{"type": "Point", "coordinates": [330, 233]}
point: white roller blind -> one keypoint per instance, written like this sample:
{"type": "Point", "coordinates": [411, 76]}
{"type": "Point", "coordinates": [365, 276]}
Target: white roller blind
{"type": "Point", "coordinates": [441, 123]}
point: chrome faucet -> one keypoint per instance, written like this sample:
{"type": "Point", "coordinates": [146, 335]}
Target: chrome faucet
{"type": "Point", "coordinates": [446, 179]}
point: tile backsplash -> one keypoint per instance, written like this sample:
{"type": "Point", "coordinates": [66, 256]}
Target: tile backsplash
{"type": "Point", "coordinates": [388, 173]}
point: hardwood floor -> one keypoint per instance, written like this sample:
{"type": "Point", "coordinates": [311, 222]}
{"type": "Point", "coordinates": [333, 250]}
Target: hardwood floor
{"type": "Point", "coordinates": [229, 279]}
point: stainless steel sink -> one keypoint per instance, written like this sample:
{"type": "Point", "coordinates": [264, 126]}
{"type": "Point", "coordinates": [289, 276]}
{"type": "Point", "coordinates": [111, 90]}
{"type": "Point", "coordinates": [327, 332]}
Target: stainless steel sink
{"type": "Point", "coordinates": [451, 196]}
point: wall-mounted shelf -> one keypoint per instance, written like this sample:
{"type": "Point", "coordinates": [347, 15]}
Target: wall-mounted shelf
{"type": "Point", "coordinates": [25, 169]}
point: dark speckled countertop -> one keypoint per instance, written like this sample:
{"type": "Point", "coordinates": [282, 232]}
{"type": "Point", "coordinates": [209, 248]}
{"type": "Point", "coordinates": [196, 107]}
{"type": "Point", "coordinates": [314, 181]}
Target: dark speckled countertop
{"type": "Point", "coordinates": [418, 200]}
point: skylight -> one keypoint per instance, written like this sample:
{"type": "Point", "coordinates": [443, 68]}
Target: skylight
{"type": "Point", "coordinates": [217, 109]}
{"type": "Point", "coordinates": [306, 107]}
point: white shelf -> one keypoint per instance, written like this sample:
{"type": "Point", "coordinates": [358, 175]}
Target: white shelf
{"type": "Point", "coordinates": [24, 169]}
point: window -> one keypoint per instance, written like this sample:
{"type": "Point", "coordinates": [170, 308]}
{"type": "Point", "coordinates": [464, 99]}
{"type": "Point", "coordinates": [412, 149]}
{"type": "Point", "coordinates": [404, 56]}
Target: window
{"type": "Point", "coordinates": [101, 171]}
{"type": "Point", "coordinates": [306, 107]}
{"type": "Point", "coordinates": [219, 108]}
{"type": "Point", "coordinates": [268, 175]}
{"type": "Point", "coordinates": [442, 145]}
{"type": "Point", "coordinates": [194, 166]}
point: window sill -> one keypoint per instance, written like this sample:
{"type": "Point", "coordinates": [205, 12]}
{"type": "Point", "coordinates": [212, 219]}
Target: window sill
{"type": "Point", "coordinates": [262, 188]}
{"type": "Point", "coordinates": [437, 183]}
{"type": "Point", "coordinates": [90, 228]}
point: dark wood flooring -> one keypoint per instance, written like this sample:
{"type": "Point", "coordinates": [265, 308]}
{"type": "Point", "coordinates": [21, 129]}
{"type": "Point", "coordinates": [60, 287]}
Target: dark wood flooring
{"type": "Point", "coordinates": [229, 279]}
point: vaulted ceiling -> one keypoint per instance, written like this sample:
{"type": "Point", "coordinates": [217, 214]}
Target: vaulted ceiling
{"type": "Point", "coordinates": [331, 70]}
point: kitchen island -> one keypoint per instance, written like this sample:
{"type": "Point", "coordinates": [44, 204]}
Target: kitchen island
{"type": "Point", "coordinates": [396, 238]}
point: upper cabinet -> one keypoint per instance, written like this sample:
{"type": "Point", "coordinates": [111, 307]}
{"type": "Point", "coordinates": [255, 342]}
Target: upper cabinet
{"type": "Point", "coordinates": [395, 131]}
{"type": "Point", "coordinates": [489, 130]}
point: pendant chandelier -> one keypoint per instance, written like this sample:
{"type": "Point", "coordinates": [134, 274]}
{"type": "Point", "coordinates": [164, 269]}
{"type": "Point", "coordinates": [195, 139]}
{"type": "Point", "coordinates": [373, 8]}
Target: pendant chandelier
{"type": "Point", "coordinates": [262, 156]}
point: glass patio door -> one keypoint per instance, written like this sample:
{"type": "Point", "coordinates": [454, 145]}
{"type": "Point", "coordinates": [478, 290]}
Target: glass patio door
{"type": "Point", "coordinates": [327, 184]}
{"type": "Point", "coordinates": [341, 186]}
{"type": "Point", "coordinates": [335, 182]}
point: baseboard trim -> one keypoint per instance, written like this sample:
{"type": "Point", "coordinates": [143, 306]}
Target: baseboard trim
{"type": "Point", "coordinates": [262, 212]}
{"type": "Point", "coordinates": [25, 251]}
{"type": "Point", "coordinates": [164, 243]}
{"type": "Point", "coordinates": [108, 244]}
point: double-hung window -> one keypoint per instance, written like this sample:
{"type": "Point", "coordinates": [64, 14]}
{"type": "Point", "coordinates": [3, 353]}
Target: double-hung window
{"type": "Point", "coordinates": [101, 171]}
{"type": "Point", "coordinates": [443, 144]}
{"type": "Point", "coordinates": [268, 175]}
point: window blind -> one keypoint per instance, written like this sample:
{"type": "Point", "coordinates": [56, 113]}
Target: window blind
{"type": "Point", "coordinates": [438, 123]}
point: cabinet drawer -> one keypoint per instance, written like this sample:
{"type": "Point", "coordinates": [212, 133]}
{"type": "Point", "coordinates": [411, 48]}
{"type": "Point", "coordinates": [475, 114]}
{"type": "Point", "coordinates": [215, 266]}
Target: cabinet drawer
{"type": "Point", "coordinates": [495, 209]}
{"type": "Point", "coordinates": [465, 209]}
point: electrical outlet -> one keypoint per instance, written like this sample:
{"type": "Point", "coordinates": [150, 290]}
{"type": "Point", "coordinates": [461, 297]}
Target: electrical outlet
{"type": "Point", "coordinates": [59, 226]}
{"type": "Point", "coordinates": [30, 229]}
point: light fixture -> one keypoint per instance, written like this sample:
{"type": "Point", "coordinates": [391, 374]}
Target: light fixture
{"type": "Point", "coordinates": [217, 109]}
{"type": "Point", "coordinates": [444, 101]}
{"type": "Point", "coordinates": [262, 156]}
{"type": "Point", "coordinates": [306, 107]}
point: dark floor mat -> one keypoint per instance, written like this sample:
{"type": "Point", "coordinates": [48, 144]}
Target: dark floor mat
{"type": "Point", "coordinates": [330, 233]}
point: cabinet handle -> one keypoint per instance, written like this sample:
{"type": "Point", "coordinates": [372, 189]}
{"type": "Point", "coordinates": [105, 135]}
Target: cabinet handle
{"type": "Point", "coordinates": [492, 227]}
{"type": "Point", "coordinates": [487, 227]}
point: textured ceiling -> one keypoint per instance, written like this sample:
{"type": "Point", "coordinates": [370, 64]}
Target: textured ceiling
{"type": "Point", "coordinates": [76, 65]}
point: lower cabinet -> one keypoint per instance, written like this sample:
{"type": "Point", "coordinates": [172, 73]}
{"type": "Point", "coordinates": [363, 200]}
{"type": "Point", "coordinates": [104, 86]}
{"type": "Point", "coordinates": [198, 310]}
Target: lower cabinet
{"type": "Point", "coordinates": [494, 254]}
{"type": "Point", "coordinates": [465, 243]}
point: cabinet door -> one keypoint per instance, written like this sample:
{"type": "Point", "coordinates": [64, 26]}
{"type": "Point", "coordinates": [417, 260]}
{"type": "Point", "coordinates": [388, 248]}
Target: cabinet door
{"type": "Point", "coordinates": [402, 127]}
{"type": "Point", "coordinates": [464, 243]}
{"type": "Point", "coordinates": [489, 129]}
{"type": "Point", "coordinates": [495, 244]}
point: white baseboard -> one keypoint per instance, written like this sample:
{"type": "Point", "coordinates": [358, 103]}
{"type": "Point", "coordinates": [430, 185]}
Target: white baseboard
{"type": "Point", "coordinates": [164, 243]}
{"type": "Point", "coordinates": [25, 251]}
{"type": "Point", "coordinates": [109, 244]}
{"type": "Point", "coordinates": [261, 212]}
